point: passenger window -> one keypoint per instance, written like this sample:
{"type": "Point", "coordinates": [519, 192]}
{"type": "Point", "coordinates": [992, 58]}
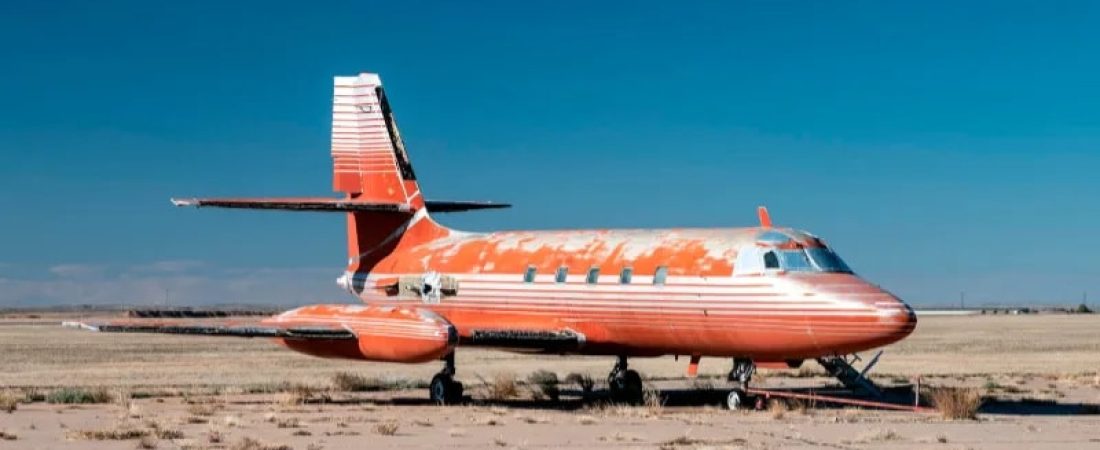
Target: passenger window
{"type": "Point", "coordinates": [660, 275]}
{"type": "Point", "coordinates": [626, 275]}
{"type": "Point", "coordinates": [562, 273]}
{"type": "Point", "coordinates": [593, 275]}
{"type": "Point", "coordinates": [529, 275]}
{"type": "Point", "coordinates": [771, 261]}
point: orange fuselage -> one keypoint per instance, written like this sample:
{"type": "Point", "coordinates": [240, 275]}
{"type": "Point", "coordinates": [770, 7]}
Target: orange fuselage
{"type": "Point", "coordinates": [702, 304]}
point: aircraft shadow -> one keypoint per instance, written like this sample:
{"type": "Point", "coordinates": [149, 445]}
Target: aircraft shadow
{"type": "Point", "coordinates": [695, 398]}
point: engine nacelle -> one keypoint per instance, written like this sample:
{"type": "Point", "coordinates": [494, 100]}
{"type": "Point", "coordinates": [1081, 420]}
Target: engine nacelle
{"type": "Point", "coordinates": [383, 333]}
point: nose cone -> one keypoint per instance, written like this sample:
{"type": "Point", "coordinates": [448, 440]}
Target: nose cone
{"type": "Point", "coordinates": [865, 316]}
{"type": "Point", "coordinates": [896, 320]}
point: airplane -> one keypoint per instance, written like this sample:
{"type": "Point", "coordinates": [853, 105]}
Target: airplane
{"type": "Point", "coordinates": [764, 296]}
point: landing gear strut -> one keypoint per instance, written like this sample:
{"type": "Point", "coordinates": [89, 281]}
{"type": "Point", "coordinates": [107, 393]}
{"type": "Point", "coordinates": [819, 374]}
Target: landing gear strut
{"type": "Point", "coordinates": [743, 369]}
{"type": "Point", "coordinates": [444, 390]}
{"type": "Point", "coordinates": [625, 384]}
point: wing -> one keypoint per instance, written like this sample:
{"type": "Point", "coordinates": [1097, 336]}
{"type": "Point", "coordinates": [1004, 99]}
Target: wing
{"type": "Point", "coordinates": [297, 331]}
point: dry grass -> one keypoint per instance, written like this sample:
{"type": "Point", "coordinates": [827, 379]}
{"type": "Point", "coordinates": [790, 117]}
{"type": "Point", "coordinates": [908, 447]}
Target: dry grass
{"type": "Point", "coordinates": [388, 428]}
{"type": "Point", "coordinates": [351, 382]}
{"type": "Point", "coordinates": [547, 384]}
{"type": "Point", "coordinates": [503, 386]}
{"type": "Point", "coordinates": [652, 400]}
{"type": "Point", "coordinates": [287, 422]}
{"type": "Point", "coordinates": [203, 409]}
{"type": "Point", "coordinates": [79, 395]}
{"type": "Point", "coordinates": [247, 443]}
{"type": "Point", "coordinates": [957, 403]}
{"type": "Point", "coordinates": [684, 440]}
{"type": "Point", "coordinates": [119, 433]}
{"type": "Point", "coordinates": [878, 435]}
{"type": "Point", "coordinates": [9, 401]}
{"type": "Point", "coordinates": [778, 409]}
{"type": "Point", "coordinates": [583, 381]}
{"type": "Point", "coordinates": [147, 443]}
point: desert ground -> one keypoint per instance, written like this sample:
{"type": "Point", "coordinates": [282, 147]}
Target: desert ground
{"type": "Point", "coordinates": [68, 388]}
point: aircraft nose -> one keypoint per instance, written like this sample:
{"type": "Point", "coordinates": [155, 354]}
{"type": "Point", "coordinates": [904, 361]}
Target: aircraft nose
{"type": "Point", "coordinates": [896, 318]}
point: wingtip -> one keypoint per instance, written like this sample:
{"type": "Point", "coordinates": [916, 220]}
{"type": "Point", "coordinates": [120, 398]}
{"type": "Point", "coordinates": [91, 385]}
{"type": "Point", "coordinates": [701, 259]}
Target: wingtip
{"type": "Point", "coordinates": [179, 202]}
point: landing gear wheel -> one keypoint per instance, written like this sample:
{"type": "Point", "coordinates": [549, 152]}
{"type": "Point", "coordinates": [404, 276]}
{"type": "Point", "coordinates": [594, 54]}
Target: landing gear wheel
{"type": "Point", "coordinates": [735, 399]}
{"type": "Point", "coordinates": [625, 386]}
{"type": "Point", "coordinates": [444, 390]}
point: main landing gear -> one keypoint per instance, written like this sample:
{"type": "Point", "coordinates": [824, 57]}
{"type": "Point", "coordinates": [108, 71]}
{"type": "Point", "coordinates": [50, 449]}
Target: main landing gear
{"type": "Point", "coordinates": [444, 390]}
{"type": "Point", "coordinates": [742, 371]}
{"type": "Point", "coordinates": [625, 384]}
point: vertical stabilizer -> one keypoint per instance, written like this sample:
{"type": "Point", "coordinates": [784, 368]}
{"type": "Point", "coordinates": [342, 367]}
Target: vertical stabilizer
{"type": "Point", "coordinates": [369, 159]}
{"type": "Point", "coordinates": [370, 164]}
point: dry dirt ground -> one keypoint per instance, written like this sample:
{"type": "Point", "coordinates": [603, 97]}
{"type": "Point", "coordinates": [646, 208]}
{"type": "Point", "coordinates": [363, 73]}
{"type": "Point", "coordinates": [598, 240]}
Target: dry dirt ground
{"type": "Point", "coordinates": [1038, 373]}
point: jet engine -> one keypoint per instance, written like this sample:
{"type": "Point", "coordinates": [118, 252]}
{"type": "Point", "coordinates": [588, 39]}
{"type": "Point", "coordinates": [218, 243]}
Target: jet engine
{"type": "Point", "coordinates": [381, 333]}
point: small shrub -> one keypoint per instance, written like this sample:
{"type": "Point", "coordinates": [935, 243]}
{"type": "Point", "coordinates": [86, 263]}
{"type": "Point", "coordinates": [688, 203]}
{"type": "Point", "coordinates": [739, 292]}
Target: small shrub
{"type": "Point", "coordinates": [386, 428]}
{"type": "Point", "coordinates": [248, 443]}
{"type": "Point", "coordinates": [289, 422]}
{"type": "Point", "coordinates": [583, 381]}
{"type": "Point", "coordinates": [113, 434]}
{"type": "Point", "coordinates": [8, 436]}
{"type": "Point", "coordinates": [147, 443]}
{"type": "Point", "coordinates": [547, 383]}
{"type": "Point", "coordinates": [957, 403]}
{"type": "Point", "coordinates": [503, 386]}
{"type": "Point", "coordinates": [9, 401]}
{"type": "Point", "coordinates": [653, 401]}
{"type": "Point", "coordinates": [73, 395]}
{"type": "Point", "coordinates": [778, 409]}
{"type": "Point", "coordinates": [350, 382]}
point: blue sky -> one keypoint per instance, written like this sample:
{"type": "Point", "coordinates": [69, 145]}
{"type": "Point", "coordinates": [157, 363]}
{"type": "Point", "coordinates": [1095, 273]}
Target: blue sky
{"type": "Point", "coordinates": [941, 147]}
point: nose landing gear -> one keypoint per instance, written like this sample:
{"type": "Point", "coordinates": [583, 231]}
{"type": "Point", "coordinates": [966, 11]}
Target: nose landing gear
{"type": "Point", "coordinates": [444, 390]}
{"type": "Point", "coordinates": [625, 384]}
{"type": "Point", "coordinates": [742, 372]}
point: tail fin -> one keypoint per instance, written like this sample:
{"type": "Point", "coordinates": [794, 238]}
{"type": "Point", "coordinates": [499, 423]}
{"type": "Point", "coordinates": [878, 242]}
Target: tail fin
{"type": "Point", "coordinates": [369, 159]}
{"type": "Point", "coordinates": [384, 206]}
{"type": "Point", "coordinates": [370, 164]}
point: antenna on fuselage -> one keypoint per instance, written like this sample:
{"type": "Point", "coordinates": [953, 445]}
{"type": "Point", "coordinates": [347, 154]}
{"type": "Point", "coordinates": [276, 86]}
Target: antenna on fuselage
{"type": "Point", "coordinates": [765, 219]}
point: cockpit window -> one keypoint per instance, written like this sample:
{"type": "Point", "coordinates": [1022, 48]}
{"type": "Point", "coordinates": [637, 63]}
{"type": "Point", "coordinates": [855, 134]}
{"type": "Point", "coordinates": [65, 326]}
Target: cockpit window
{"type": "Point", "coordinates": [771, 261]}
{"type": "Point", "coordinates": [827, 261]}
{"type": "Point", "coordinates": [805, 260]}
{"type": "Point", "coordinates": [795, 261]}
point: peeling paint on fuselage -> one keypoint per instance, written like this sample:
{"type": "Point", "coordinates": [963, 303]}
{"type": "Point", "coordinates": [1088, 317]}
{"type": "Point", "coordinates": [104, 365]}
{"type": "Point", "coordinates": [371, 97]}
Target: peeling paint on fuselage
{"type": "Point", "coordinates": [687, 252]}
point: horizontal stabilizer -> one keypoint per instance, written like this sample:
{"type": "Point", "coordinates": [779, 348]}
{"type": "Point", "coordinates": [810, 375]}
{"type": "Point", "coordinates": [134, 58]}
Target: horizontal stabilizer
{"type": "Point", "coordinates": [440, 206]}
{"type": "Point", "coordinates": [294, 204]}
{"type": "Point", "coordinates": [323, 204]}
{"type": "Point", "coordinates": [319, 331]}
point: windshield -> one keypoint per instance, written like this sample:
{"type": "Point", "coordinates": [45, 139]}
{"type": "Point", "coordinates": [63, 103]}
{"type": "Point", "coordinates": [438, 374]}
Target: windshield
{"type": "Point", "coordinates": [795, 261]}
{"type": "Point", "coordinates": [827, 261]}
{"type": "Point", "coordinates": [805, 260]}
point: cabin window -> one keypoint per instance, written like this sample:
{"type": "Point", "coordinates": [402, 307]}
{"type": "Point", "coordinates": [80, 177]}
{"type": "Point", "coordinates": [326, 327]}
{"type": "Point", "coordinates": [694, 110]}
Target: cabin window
{"type": "Point", "coordinates": [626, 275]}
{"type": "Point", "coordinates": [593, 275]}
{"type": "Point", "coordinates": [771, 261]}
{"type": "Point", "coordinates": [660, 275]}
{"type": "Point", "coordinates": [529, 274]}
{"type": "Point", "coordinates": [562, 273]}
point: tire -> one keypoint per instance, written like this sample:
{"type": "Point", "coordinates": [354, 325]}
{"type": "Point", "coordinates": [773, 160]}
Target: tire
{"type": "Point", "coordinates": [626, 388]}
{"type": "Point", "coordinates": [735, 400]}
{"type": "Point", "coordinates": [444, 390]}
